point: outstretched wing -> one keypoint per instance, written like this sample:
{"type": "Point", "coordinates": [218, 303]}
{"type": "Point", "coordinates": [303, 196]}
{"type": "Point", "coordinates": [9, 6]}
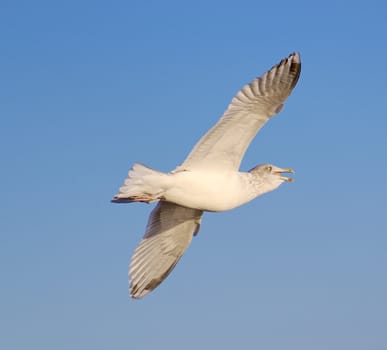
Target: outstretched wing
{"type": "Point", "coordinates": [225, 144]}
{"type": "Point", "coordinates": [168, 234]}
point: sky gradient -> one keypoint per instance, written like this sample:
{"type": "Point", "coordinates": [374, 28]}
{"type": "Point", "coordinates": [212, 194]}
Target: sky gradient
{"type": "Point", "coordinates": [87, 88]}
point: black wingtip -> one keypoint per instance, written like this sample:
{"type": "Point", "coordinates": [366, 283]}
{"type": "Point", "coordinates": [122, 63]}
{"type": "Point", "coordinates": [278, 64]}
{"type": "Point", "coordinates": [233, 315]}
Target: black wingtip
{"type": "Point", "coordinates": [295, 57]}
{"type": "Point", "coordinates": [295, 66]}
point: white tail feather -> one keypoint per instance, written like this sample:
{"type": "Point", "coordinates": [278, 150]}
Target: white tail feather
{"type": "Point", "coordinates": [143, 184]}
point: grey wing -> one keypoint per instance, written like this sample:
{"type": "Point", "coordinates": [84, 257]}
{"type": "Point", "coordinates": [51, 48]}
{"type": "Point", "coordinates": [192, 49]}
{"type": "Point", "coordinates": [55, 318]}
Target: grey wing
{"type": "Point", "coordinates": [168, 234]}
{"type": "Point", "coordinates": [225, 144]}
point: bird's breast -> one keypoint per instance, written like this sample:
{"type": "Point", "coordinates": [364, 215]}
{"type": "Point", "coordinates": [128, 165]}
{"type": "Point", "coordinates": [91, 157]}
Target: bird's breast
{"type": "Point", "coordinates": [209, 190]}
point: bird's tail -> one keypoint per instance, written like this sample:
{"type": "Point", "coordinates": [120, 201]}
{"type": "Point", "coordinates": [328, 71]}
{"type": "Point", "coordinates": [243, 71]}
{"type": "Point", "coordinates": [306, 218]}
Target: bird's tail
{"type": "Point", "coordinates": [143, 184]}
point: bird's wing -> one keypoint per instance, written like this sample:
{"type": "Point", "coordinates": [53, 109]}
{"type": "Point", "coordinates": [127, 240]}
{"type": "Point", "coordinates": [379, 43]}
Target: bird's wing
{"type": "Point", "coordinates": [225, 144]}
{"type": "Point", "coordinates": [169, 232]}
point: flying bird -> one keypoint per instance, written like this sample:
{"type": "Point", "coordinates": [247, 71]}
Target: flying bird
{"type": "Point", "coordinates": [208, 180]}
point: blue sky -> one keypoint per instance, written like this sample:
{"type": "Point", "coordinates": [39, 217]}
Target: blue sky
{"type": "Point", "coordinates": [89, 87]}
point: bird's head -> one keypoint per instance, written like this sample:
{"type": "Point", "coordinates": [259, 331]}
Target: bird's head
{"type": "Point", "coordinates": [270, 176]}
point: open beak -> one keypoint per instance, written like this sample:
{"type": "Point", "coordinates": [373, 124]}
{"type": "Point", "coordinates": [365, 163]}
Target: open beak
{"type": "Point", "coordinates": [285, 178]}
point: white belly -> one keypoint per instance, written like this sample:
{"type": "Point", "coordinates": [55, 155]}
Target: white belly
{"type": "Point", "coordinates": [209, 191]}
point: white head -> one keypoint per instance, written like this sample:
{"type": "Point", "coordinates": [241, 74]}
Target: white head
{"type": "Point", "coordinates": [269, 177]}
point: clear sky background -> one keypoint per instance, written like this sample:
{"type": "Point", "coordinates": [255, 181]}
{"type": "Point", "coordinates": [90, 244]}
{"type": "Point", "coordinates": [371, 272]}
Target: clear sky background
{"type": "Point", "coordinates": [89, 87]}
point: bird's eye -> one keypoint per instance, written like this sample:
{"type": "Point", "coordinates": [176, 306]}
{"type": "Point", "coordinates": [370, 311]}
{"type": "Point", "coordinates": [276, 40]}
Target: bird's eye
{"type": "Point", "coordinates": [269, 168]}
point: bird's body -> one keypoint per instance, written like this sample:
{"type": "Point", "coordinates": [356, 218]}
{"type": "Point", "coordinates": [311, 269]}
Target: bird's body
{"type": "Point", "coordinates": [208, 180]}
{"type": "Point", "coordinates": [204, 189]}
{"type": "Point", "coordinates": [209, 190]}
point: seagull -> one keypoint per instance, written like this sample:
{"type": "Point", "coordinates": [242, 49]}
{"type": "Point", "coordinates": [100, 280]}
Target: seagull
{"type": "Point", "coordinates": [208, 180]}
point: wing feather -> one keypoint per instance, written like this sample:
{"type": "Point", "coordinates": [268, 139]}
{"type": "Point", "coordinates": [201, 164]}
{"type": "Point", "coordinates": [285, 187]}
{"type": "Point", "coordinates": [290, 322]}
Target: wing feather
{"type": "Point", "coordinates": [225, 144]}
{"type": "Point", "coordinates": [168, 234]}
